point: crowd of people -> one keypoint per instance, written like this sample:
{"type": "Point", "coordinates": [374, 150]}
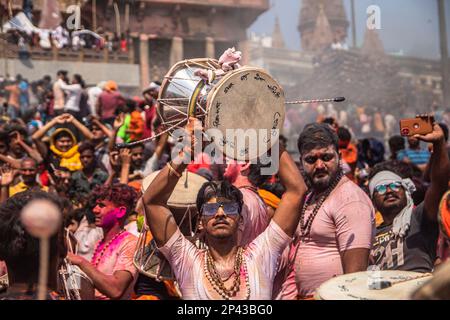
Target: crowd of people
{"type": "Point", "coordinates": [63, 39]}
{"type": "Point", "coordinates": [343, 205]}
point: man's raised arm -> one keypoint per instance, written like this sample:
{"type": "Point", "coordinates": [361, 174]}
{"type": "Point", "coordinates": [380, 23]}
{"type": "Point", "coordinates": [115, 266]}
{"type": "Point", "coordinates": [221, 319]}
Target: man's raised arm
{"type": "Point", "coordinates": [159, 218]}
{"type": "Point", "coordinates": [287, 214]}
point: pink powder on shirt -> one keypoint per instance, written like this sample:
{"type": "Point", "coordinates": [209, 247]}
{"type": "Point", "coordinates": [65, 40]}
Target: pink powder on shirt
{"type": "Point", "coordinates": [118, 257]}
{"type": "Point", "coordinates": [255, 217]}
{"type": "Point", "coordinates": [345, 221]}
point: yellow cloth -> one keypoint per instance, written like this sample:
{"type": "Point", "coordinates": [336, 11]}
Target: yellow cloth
{"type": "Point", "coordinates": [69, 159]}
{"type": "Point", "coordinates": [21, 186]}
{"type": "Point", "coordinates": [269, 198]}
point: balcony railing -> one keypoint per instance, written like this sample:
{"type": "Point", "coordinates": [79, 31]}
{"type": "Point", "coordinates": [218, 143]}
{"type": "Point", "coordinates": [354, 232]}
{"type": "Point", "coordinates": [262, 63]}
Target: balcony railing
{"type": "Point", "coordinates": [67, 54]}
{"type": "Point", "coordinates": [256, 4]}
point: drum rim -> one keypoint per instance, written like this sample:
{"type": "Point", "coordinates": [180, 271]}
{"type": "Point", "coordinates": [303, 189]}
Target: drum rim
{"type": "Point", "coordinates": [140, 268]}
{"type": "Point", "coordinates": [318, 296]}
{"type": "Point", "coordinates": [174, 69]}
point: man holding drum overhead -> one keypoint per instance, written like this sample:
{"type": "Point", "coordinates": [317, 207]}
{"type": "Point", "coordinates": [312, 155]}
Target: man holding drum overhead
{"type": "Point", "coordinates": [223, 270]}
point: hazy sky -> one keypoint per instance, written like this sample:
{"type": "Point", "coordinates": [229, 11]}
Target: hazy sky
{"type": "Point", "coordinates": [411, 26]}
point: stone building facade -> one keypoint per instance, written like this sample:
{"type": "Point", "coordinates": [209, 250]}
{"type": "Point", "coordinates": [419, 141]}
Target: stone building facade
{"type": "Point", "coordinates": [326, 67]}
{"type": "Point", "coordinates": [162, 32]}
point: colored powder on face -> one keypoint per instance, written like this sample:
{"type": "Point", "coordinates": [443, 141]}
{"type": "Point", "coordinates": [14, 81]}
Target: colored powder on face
{"type": "Point", "coordinates": [110, 219]}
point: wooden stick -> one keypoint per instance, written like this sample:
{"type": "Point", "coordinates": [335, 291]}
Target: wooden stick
{"type": "Point", "coordinates": [116, 10]}
{"type": "Point", "coordinates": [43, 268]}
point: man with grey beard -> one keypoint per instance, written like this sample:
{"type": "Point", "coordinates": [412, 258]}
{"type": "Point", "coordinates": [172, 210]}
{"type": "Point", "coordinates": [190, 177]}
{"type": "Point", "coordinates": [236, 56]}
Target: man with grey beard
{"type": "Point", "coordinates": [336, 227]}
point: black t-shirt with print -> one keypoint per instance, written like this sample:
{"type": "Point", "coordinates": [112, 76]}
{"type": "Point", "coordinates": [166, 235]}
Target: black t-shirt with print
{"type": "Point", "coordinates": [415, 252]}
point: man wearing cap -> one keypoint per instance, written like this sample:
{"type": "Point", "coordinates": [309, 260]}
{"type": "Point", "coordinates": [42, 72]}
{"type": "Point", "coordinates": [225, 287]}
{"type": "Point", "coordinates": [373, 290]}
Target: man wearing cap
{"type": "Point", "coordinates": [406, 238]}
{"type": "Point", "coordinates": [108, 102]}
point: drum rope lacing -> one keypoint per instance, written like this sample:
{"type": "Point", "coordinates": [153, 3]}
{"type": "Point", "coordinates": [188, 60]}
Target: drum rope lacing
{"type": "Point", "coordinates": [140, 261]}
{"type": "Point", "coordinates": [66, 273]}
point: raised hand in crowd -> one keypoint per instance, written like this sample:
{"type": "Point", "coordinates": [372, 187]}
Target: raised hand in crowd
{"type": "Point", "coordinates": [61, 119]}
{"type": "Point", "coordinates": [60, 182]}
{"type": "Point", "coordinates": [438, 168]}
{"type": "Point", "coordinates": [118, 122]}
{"type": "Point", "coordinates": [7, 177]}
{"type": "Point", "coordinates": [125, 159]}
{"type": "Point", "coordinates": [96, 120]}
{"type": "Point", "coordinates": [31, 151]}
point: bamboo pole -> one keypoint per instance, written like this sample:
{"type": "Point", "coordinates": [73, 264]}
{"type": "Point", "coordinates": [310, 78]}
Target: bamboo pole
{"type": "Point", "coordinates": [444, 54]}
{"type": "Point", "coordinates": [94, 15]}
{"type": "Point", "coordinates": [116, 11]}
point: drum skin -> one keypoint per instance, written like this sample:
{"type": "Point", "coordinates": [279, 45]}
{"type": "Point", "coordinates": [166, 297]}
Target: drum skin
{"type": "Point", "coordinates": [438, 287]}
{"type": "Point", "coordinates": [246, 98]}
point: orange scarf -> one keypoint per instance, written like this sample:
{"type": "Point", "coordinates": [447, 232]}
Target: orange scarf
{"type": "Point", "coordinates": [444, 215]}
{"type": "Point", "coordinates": [269, 198]}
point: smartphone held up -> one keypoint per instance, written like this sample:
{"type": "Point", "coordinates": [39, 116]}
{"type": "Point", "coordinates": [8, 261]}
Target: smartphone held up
{"type": "Point", "coordinates": [422, 125]}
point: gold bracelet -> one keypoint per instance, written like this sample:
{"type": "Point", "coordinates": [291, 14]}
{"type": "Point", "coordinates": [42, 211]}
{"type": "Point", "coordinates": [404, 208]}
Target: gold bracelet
{"type": "Point", "coordinates": [171, 169]}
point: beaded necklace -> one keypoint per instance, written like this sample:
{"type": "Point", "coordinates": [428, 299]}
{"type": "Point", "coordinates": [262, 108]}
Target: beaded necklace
{"type": "Point", "coordinates": [305, 227]}
{"type": "Point", "coordinates": [216, 282]}
{"type": "Point", "coordinates": [99, 256]}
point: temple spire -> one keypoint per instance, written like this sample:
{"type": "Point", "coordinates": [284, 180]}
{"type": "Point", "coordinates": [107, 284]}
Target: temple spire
{"type": "Point", "coordinates": [372, 46]}
{"type": "Point", "coordinates": [322, 35]}
{"type": "Point", "coordinates": [334, 10]}
{"type": "Point", "coordinates": [277, 35]}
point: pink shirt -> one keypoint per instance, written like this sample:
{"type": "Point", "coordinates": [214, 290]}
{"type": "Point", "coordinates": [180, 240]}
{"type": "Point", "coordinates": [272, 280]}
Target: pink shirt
{"type": "Point", "coordinates": [261, 257]}
{"type": "Point", "coordinates": [118, 257]}
{"type": "Point", "coordinates": [109, 102]}
{"type": "Point", "coordinates": [345, 221]}
{"type": "Point", "coordinates": [255, 217]}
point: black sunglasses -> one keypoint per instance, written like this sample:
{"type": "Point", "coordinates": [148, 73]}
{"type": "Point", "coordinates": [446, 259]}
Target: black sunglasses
{"type": "Point", "coordinates": [230, 208]}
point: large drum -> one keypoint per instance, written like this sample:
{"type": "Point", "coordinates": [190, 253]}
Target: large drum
{"type": "Point", "coordinates": [372, 285]}
{"type": "Point", "coordinates": [182, 204]}
{"type": "Point", "coordinates": [4, 283]}
{"type": "Point", "coordinates": [436, 288]}
{"type": "Point", "coordinates": [76, 285]}
{"type": "Point", "coordinates": [242, 99]}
